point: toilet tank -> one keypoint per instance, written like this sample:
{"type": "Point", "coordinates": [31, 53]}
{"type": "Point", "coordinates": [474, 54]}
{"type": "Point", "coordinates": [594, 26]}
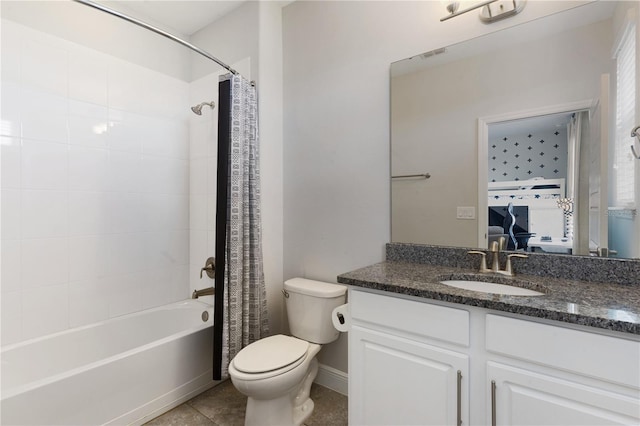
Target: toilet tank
{"type": "Point", "coordinates": [309, 307]}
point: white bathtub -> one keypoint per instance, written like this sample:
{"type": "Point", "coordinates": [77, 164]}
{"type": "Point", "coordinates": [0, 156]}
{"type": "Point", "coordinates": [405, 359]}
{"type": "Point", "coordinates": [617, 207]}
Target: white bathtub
{"type": "Point", "coordinates": [126, 370]}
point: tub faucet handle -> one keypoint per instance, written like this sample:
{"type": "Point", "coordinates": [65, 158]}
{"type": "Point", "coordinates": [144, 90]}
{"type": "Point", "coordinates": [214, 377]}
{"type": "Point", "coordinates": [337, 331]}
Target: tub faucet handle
{"type": "Point", "coordinates": [209, 268]}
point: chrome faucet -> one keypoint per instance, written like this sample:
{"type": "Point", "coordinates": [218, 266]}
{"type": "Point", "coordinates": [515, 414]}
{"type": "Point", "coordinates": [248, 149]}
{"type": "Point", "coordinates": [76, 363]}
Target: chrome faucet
{"type": "Point", "coordinates": [496, 248]}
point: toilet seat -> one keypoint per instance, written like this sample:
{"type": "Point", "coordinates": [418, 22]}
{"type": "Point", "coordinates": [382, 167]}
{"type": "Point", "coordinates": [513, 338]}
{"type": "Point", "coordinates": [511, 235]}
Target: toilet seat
{"type": "Point", "coordinates": [276, 354]}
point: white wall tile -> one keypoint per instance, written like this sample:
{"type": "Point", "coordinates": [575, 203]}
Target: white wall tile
{"type": "Point", "coordinates": [169, 138]}
{"type": "Point", "coordinates": [88, 77]}
{"type": "Point", "coordinates": [198, 248]}
{"type": "Point", "coordinates": [44, 262]}
{"type": "Point", "coordinates": [87, 302]}
{"type": "Point", "coordinates": [166, 175]}
{"type": "Point", "coordinates": [125, 294]}
{"type": "Point", "coordinates": [198, 177]}
{"type": "Point", "coordinates": [45, 67]}
{"type": "Point", "coordinates": [10, 47]}
{"type": "Point", "coordinates": [127, 131]}
{"type": "Point", "coordinates": [127, 254]}
{"type": "Point", "coordinates": [89, 131]}
{"type": "Point", "coordinates": [211, 242]}
{"type": "Point", "coordinates": [125, 172]}
{"type": "Point", "coordinates": [178, 212]}
{"type": "Point", "coordinates": [11, 317]}
{"type": "Point", "coordinates": [198, 212]}
{"type": "Point", "coordinates": [88, 168]}
{"type": "Point", "coordinates": [10, 107]}
{"type": "Point", "coordinates": [44, 310]}
{"type": "Point", "coordinates": [88, 258]}
{"type": "Point", "coordinates": [197, 138]}
{"type": "Point", "coordinates": [165, 212]}
{"type": "Point", "coordinates": [211, 212]}
{"type": "Point", "coordinates": [44, 116]}
{"type": "Point", "coordinates": [180, 288]}
{"type": "Point", "coordinates": [179, 248]}
{"type": "Point", "coordinates": [95, 185]}
{"type": "Point", "coordinates": [10, 162]}
{"type": "Point", "coordinates": [11, 218]}
{"type": "Point", "coordinates": [44, 165]}
{"type": "Point", "coordinates": [10, 279]}
{"type": "Point", "coordinates": [126, 212]}
{"type": "Point", "coordinates": [156, 290]}
{"type": "Point", "coordinates": [129, 87]}
{"type": "Point", "coordinates": [44, 213]}
{"type": "Point", "coordinates": [212, 178]}
{"type": "Point", "coordinates": [88, 213]}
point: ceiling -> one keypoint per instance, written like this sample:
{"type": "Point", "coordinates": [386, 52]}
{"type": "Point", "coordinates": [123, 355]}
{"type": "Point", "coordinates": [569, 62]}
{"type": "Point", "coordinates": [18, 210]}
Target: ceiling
{"type": "Point", "coordinates": [185, 17]}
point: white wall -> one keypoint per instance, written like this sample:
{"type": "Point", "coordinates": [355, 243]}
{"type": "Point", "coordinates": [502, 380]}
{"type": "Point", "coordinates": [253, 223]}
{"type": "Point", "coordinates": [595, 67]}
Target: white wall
{"type": "Point", "coordinates": [95, 184]}
{"type": "Point", "coordinates": [336, 134]}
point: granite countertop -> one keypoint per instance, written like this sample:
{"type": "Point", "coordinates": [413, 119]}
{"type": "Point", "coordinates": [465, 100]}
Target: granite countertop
{"type": "Point", "coordinates": [613, 307]}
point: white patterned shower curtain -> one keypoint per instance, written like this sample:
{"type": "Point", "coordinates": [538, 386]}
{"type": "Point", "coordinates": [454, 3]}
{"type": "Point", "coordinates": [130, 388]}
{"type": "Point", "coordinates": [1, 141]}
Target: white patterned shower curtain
{"type": "Point", "coordinates": [245, 315]}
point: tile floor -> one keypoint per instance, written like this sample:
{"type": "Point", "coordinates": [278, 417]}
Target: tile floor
{"type": "Point", "coordinates": [223, 405]}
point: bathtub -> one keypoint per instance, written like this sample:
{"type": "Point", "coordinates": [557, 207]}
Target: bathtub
{"type": "Point", "coordinates": [126, 370]}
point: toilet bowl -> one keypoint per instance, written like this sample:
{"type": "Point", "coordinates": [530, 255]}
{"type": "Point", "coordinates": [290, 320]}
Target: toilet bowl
{"type": "Point", "coordinates": [276, 373]}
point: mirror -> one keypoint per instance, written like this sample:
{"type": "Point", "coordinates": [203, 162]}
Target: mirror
{"type": "Point", "coordinates": [520, 116]}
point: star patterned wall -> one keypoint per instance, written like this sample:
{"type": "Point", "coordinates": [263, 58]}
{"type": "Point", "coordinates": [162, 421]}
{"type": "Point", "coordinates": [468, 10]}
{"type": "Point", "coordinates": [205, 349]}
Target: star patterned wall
{"type": "Point", "coordinates": [527, 155]}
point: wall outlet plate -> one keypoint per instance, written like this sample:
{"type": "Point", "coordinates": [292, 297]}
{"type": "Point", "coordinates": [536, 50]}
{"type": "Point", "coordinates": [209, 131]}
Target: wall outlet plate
{"type": "Point", "coordinates": [466, 213]}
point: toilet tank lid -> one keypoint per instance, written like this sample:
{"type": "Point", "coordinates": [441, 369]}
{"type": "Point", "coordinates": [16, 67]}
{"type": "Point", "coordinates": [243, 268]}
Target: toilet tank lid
{"type": "Point", "coordinates": [314, 288]}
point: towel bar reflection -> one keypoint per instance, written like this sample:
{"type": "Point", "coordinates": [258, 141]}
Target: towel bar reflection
{"type": "Point", "coordinates": [423, 175]}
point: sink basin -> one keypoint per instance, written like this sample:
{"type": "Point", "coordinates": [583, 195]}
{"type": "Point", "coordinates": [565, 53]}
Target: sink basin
{"type": "Point", "coordinates": [493, 288]}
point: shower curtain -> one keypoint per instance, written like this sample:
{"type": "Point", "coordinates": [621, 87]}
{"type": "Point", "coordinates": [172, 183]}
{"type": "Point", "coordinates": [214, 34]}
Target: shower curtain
{"type": "Point", "coordinates": [245, 303]}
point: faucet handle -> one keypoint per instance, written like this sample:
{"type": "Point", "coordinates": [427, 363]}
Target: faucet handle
{"type": "Point", "coordinates": [508, 269]}
{"type": "Point", "coordinates": [209, 268]}
{"type": "Point", "coordinates": [483, 262]}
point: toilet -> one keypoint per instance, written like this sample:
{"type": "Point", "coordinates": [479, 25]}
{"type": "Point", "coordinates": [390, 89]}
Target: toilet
{"type": "Point", "coordinates": [276, 373]}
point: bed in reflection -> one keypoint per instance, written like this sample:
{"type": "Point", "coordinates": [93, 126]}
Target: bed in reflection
{"type": "Point", "coordinates": [540, 221]}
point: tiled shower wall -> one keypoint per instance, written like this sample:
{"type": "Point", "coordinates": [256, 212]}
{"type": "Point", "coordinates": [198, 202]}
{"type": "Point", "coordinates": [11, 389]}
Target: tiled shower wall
{"type": "Point", "coordinates": [95, 186]}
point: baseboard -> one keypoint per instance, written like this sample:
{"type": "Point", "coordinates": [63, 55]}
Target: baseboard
{"type": "Point", "coordinates": [333, 379]}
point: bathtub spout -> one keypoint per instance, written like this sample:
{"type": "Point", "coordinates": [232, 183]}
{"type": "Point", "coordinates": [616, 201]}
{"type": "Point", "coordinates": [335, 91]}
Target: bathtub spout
{"type": "Point", "coordinates": [204, 292]}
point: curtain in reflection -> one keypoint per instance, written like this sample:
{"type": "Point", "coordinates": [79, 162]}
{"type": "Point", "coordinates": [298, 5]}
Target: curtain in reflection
{"type": "Point", "coordinates": [245, 317]}
{"type": "Point", "coordinates": [577, 224]}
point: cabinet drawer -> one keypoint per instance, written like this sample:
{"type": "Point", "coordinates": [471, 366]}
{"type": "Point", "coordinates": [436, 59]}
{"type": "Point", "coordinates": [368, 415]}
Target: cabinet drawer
{"type": "Point", "coordinates": [437, 322]}
{"type": "Point", "coordinates": [589, 354]}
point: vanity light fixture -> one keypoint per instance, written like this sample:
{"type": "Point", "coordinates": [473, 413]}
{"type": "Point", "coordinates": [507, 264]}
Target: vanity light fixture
{"type": "Point", "coordinates": [492, 10]}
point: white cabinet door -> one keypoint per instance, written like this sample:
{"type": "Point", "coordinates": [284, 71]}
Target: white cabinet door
{"type": "Point", "coordinates": [396, 381]}
{"type": "Point", "coordinates": [522, 397]}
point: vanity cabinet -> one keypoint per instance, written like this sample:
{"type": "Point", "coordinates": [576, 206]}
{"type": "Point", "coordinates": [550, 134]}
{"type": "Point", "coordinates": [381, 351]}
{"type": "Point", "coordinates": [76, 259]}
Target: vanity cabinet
{"type": "Point", "coordinates": [402, 371]}
{"type": "Point", "coordinates": [405, 355]}
{"type": "Point", "coordinates": [550, 375]}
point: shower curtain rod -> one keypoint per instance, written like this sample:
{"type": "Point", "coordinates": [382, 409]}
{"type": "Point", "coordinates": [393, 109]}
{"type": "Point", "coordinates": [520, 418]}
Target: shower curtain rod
{"type": "Point", "coordinates": [157, 31]}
